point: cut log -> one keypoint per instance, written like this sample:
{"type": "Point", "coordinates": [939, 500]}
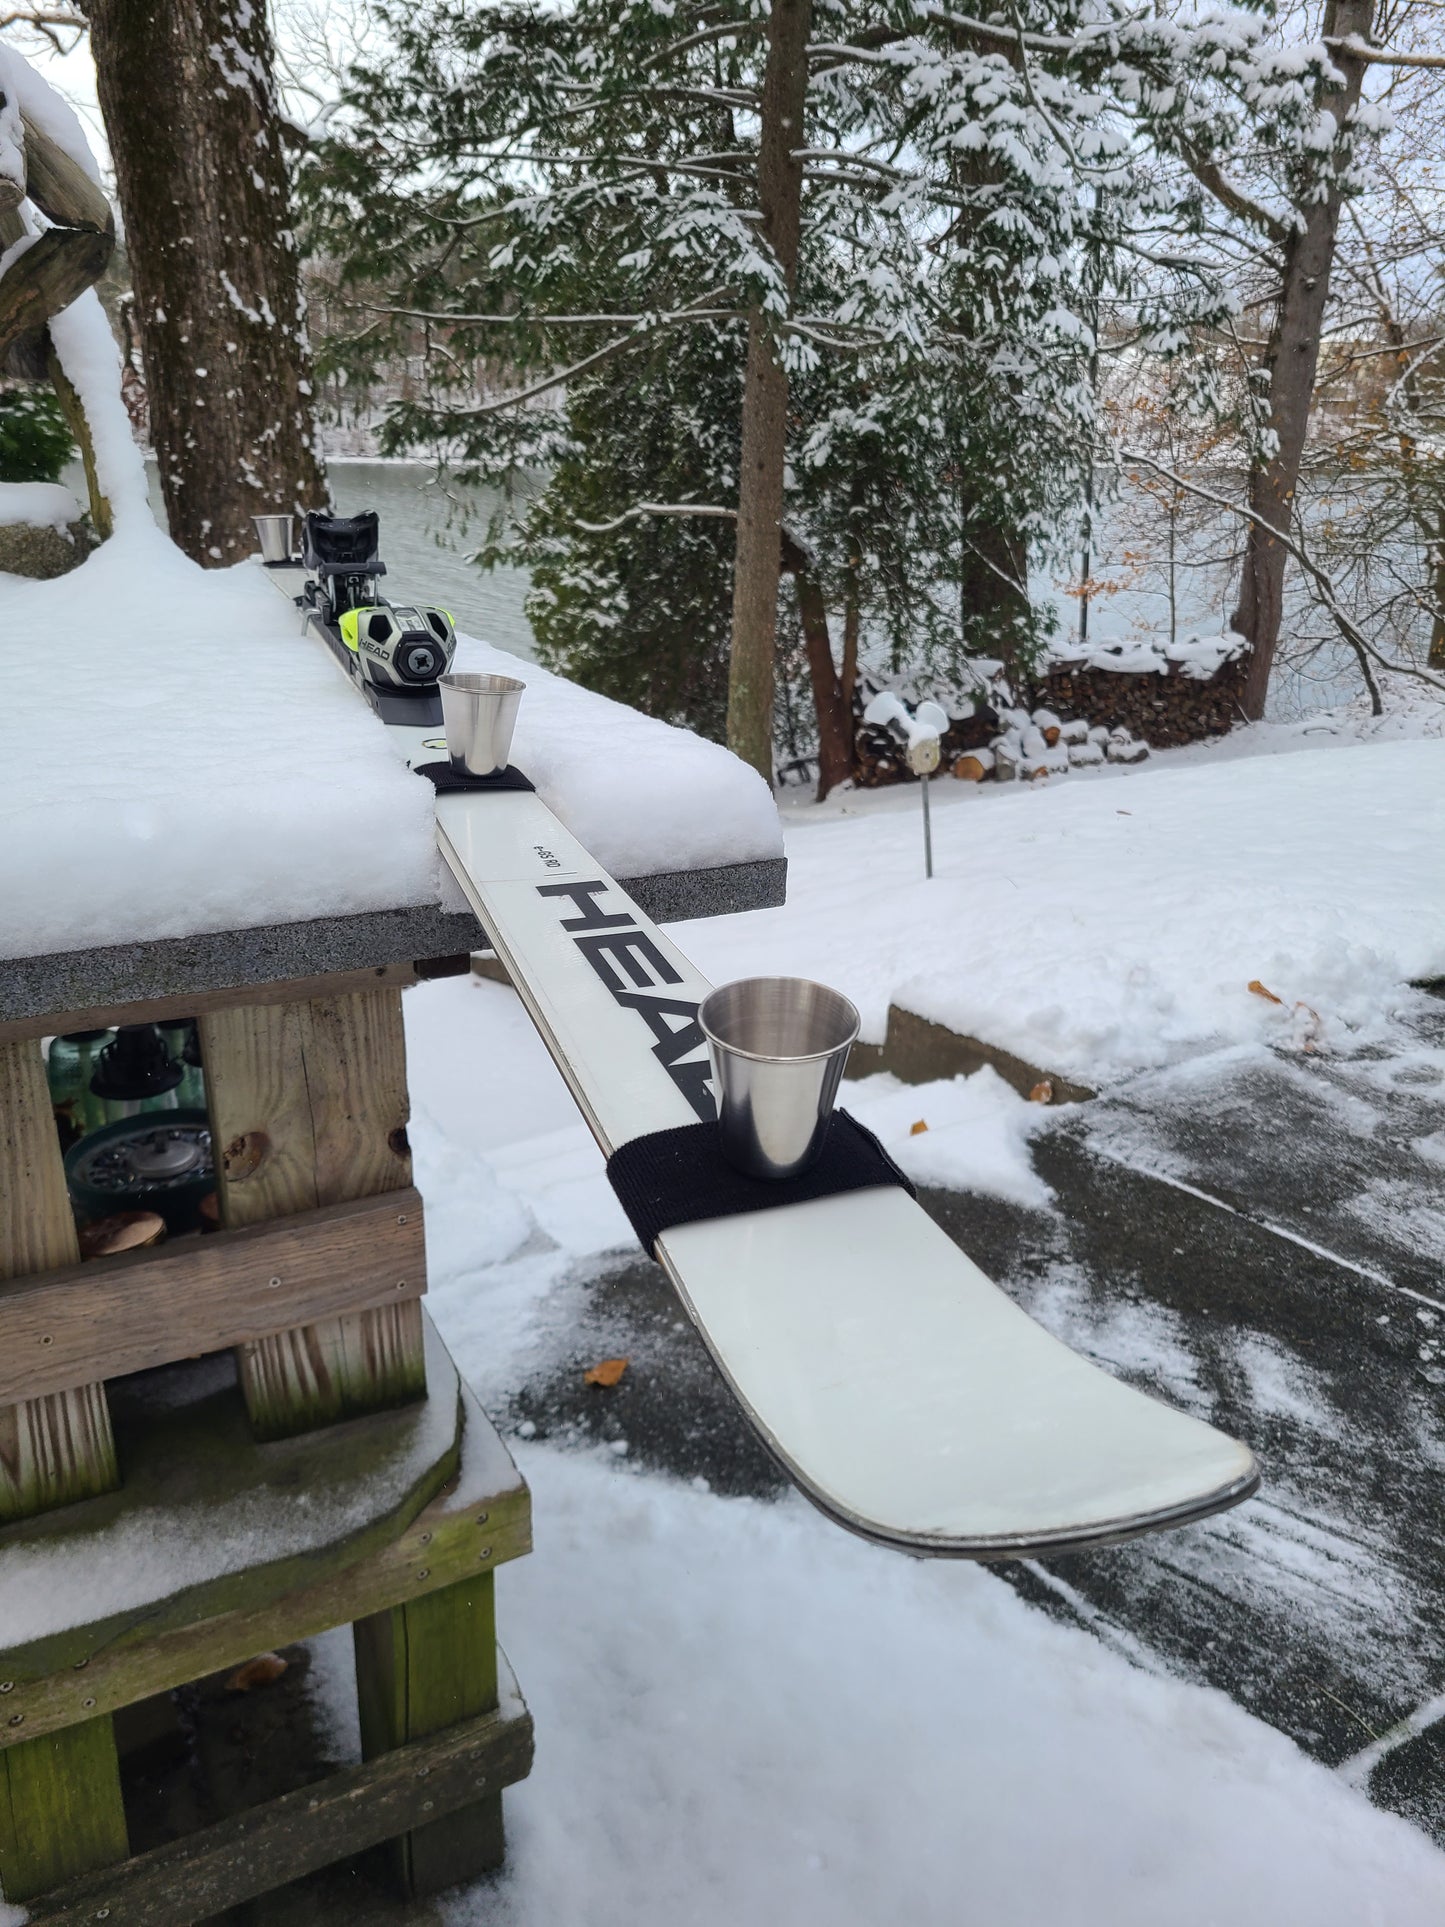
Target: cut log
{"type": "Point", "coordinates": [973, 767]}
{"type": "Point", "coordinates": [1127, 751]}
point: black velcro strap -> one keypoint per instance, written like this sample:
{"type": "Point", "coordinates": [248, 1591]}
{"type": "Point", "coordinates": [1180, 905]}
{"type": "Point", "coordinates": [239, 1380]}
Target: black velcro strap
{"type": "Point", "coordinates": [680, 1176]}
{"type": "Point", "coordinates": [446, 778]}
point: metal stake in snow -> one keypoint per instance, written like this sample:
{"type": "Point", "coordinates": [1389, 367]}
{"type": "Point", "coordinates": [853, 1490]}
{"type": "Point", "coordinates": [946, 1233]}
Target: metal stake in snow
{"type": "Point", "coordinates": [922, 731]}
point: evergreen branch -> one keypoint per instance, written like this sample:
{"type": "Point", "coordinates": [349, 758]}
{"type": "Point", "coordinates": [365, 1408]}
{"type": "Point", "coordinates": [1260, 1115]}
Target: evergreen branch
{"type": "Point", "coordinates": [635, 514]}
{"type": "Point", "coordinates": [1212, 177]}
{"type": "Point", "coordinates": [842, 155]}
{"type": "Point", "coordinates": [461, 318]}
{"type": "Point", "coordinates": [696, 167]}
{"type": "Point", "coordinates": [725, 30]}
{"type": "Point", "coordinates": [1076, 160]}
{"type": "Point", "coordinates": [588, 362]}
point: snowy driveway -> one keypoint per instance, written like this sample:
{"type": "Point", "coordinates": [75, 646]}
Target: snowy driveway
{"type": "Point", "coordinates": [710, 1663]}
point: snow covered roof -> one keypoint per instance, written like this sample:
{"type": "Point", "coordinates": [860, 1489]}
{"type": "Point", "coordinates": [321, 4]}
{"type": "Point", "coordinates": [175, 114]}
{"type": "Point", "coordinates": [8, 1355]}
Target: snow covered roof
{"type": "Point", "coordinates": [176, 758]}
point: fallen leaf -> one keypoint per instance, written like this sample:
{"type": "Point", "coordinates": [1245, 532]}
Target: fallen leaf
{"type": "Point", "coordinates": [1042, 1092]}
{"type": "Point", "coordinates": [915, 1130]}
{"type": "Point", "coordinates": [606, 1373]}
{"type": "Point", "coordinates": [264, 1670]}
{"type": "Point", "coordinates": [1259, 990]}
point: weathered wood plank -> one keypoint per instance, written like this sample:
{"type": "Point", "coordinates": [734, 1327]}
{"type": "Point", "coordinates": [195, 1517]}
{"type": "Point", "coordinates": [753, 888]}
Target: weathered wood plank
{"type": "Point", "coordinates": [421, 1668]}
{"type": "Point", "coordinates": [66, 1328]}
{"type": "Point", "coordinates": [261, 1849]}
{"type": "Point", "coordinates": [308, 1102]}
{"type": "Point", "coordinates": [309, 1107]}
{"type": "Point", "coordinates": [60, 186]}
{"type": "Point", "coordinates": [61, 1812]}
{"type": "Point", "coordinates": [336, 1368]}
{"type": "Point", "coordinates": [192, 1003]}
{"type": "Point", "coordinates": [37, 1230]}
{"type": "Point", "coordinates": [56, 1446]}
{"type": "Point", "coordinates": [478, 1521]}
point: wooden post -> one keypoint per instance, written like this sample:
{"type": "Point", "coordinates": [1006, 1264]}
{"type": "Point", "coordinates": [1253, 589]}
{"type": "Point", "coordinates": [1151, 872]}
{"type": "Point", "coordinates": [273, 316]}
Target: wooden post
{"type": "Point", "coordinates": [57, 1447]}
{"type": "Point", "coordinates": [420, 1668]}
{"type": "Point", "coordinates": [309, 1107]}
{"type": "Point", "coordinates": [61, 1812]}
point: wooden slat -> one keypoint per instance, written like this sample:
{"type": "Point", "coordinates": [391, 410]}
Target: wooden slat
{"type": "Point", "coordinates": [263, 1848]}
{"type": "Point", "coordinates": [308, 1108]}
{"type": "Point", "coordinates": [61, 1812]}
{"type": "Point", "coordinates": [420, 1668]}
{"type": "Point", "coordinates": [458, 1534]}
{"type": "Point", "coordinates": [191, 1003]}
{"type": "Point", "coordinates": [55, 1446]}
{"type": "Point", "coordinates": [202, 1294]}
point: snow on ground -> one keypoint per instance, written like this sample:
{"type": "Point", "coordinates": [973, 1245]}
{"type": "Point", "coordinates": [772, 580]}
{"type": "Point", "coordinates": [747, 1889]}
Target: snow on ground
{"type": "Point", "coordinates": [1103, 927]}
{"type": "Point", "coordinates": [745, 1715]}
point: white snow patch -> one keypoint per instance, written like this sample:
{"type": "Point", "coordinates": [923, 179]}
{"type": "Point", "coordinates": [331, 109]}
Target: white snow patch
{"type": "Point", "coordinates": [641, 794]}
{"type": "Point", "coordinates": [37, 505]}
{"type": "Point", "coordinates": [1280, 1384]}
{"type": "Point", "coordinates": [150, 1553]}
{"type": "Point", "coordinates": [976, 1137]}
{"type": "Point", "coordinates": [91, 360]}
{"type": "Point", "coordinates": [174, 759]}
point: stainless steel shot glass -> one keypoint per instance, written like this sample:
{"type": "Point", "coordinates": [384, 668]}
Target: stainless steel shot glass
{"type": "Point", "coordinates": [779, 1046]}
{"type": "Point", "coordinates": [275, 533]}
{"type": "Point", "coordinates": [480, 713]}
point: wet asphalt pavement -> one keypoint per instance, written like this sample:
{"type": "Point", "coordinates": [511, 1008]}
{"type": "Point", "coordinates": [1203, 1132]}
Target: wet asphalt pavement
{"type": "Point", "coordinates": [1260, 1239]}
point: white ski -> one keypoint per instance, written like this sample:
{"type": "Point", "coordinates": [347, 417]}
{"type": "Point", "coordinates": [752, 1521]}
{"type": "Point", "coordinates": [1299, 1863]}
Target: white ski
{"type": "Point", "coordinates": [906, 1395]}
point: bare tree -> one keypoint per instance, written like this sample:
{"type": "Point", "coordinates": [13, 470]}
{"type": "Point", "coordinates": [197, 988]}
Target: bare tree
{"type": "Point", "coordinates": [1290, 362]}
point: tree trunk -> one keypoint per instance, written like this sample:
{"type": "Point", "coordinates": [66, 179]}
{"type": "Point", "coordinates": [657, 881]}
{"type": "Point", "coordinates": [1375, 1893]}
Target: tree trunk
{"type": "Point", "coordinates": [993, 592]}
{"type": "Point", "coordinates": [832, 708]}
{"type": "Point", "coordinates": [1291, 361]}
{"type": "Point", "coordinates": [765, 397]}
{"type": "Point", "coordinates": [1437, 583]}
{"type": "Point", "coordinates": [993, 598]}
{"type": "Point", "coordinates": [1421, 487]}
{"type": "Point", "coordinates": [189, 99]}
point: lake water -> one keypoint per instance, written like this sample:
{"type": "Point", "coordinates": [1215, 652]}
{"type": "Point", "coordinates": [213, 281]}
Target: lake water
{"type": "Point", "coordinates": [428, 532]}
{"type": "Point", "coordinates": [426, 537]}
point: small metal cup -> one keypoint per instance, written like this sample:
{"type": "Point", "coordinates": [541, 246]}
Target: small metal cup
{"type": "Point", "coordinates": [275, 535]}
{"type": "Point", "coordinates": [480, 713]}
{"type": "Point", "coordinates": [779, 1046]}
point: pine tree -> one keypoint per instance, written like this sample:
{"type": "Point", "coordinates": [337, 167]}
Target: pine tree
{"type": "Point", "coordinates": [875, 215]}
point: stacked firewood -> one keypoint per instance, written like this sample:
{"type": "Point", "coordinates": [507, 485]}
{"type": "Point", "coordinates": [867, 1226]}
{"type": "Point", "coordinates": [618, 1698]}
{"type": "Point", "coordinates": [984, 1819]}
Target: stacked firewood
{"type": "Point", "coordinates": [1031, 746]}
